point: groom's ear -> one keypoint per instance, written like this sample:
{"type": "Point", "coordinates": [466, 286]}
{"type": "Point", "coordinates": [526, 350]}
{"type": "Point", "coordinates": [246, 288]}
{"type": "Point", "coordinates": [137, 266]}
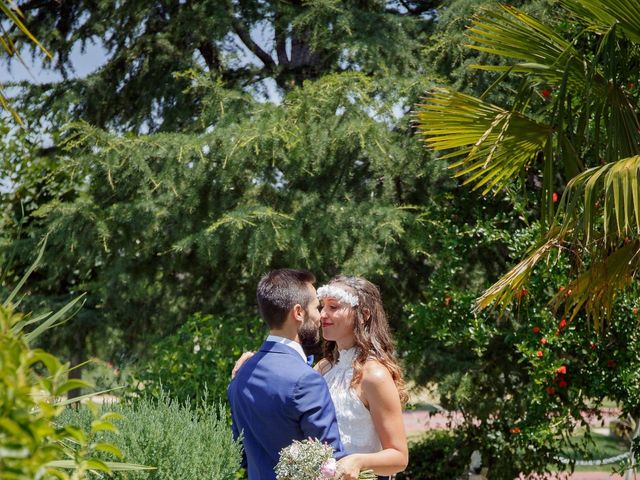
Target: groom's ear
{"type": "Point", "coordinates": [298, 312]}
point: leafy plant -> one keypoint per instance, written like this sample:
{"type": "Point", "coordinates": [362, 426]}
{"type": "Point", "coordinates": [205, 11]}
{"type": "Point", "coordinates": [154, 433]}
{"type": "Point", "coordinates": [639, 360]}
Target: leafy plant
{"type": "Point", "coordinates": [33, 442]}
{"type": "Point", "coordinates": [197, 360]}
{"type": "Point", "coordinates": [574, 122]}
{"type": "Point", "coordinates": [435, 456]}
{"type": "Point", "coordinates": [184, 441]}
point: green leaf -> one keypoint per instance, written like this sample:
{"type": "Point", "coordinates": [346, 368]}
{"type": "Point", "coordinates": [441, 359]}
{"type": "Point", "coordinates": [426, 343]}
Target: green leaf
{"type": "Point", "coordinates": [100, 425]}
{"type": "Point", "coordinates": [71, 385]}
{"type": "Point", "coordinates": [108, 448]}
{"type": "Point", "coordinates": [113, 466]}
{"type": "Point", "coordinates": [496, 144]}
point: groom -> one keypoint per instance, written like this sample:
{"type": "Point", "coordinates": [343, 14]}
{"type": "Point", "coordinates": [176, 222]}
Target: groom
{"type": "Point", "coordinates": [276, 397]}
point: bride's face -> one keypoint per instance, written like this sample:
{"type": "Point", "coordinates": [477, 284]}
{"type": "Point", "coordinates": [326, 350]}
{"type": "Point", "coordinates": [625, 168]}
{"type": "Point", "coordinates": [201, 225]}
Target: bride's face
{"type": "Point", "coordinates": [337, 322]}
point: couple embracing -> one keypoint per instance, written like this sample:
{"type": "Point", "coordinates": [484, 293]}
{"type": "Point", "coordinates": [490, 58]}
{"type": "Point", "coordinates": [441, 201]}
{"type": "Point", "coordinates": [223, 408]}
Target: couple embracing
{"type": "Point", "coordinates": [352, 399]}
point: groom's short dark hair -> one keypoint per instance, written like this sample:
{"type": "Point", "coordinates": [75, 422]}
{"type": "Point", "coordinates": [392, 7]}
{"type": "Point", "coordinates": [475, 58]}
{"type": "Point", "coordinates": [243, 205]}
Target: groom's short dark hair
{"type": "Point", "coordinates": [279, 290]}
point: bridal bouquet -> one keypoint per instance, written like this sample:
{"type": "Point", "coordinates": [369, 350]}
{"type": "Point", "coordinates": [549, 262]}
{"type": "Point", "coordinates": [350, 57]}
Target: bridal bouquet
{"type": "Point", "coordinates": [310, 460]}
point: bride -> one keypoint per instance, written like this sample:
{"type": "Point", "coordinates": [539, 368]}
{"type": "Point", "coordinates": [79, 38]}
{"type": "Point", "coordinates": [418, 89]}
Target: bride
{"type": "Point", "coordinates": [363, 376]}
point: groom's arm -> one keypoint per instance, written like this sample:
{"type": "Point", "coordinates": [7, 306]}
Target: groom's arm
{"type": "Point", "coordinates": [316, 411]}
{"type": "Point", "coordinates": [237, 434]}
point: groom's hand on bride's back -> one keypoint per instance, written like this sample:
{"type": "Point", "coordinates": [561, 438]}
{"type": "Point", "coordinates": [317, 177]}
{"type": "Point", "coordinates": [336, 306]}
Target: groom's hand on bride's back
{"type": "Point", "coordinates": [243, 358]}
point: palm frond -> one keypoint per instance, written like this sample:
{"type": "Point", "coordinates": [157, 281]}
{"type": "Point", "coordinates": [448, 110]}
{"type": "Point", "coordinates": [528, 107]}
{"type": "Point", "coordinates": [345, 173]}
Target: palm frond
{"type": "Point", "coordinates": [542, 54]}
{"type": "Point", "coordinates": [13, 13]}
{"type": "Point", "coordinates": [600, 15]}
{"type": "Point", "coordinates": [595, 290]}
{"type": "Point", "coordinates": [504, 290]}
{"type": "Point", "coordinates": [496, 144]}
{"type": "Point", "coordinates": [608, 197]}
{"type": "Point", "coordinates": [534, 47]}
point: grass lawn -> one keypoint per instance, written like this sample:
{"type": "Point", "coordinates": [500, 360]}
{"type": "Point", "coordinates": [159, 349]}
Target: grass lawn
{"type": "Point", "coordinates": [603, 446]}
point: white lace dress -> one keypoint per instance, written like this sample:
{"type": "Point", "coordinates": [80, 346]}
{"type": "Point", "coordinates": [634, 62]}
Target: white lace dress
{"type": "Point", "coordinates": [357, 432]}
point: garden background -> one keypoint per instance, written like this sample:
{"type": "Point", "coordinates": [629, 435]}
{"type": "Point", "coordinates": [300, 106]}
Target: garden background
{"type": "Point", "coordinates": [478, 162]}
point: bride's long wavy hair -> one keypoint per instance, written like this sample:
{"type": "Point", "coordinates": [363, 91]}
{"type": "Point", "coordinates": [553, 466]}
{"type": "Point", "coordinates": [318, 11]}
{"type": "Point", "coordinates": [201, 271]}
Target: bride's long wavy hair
{"type": "Point", "coordinates": [372, 335]}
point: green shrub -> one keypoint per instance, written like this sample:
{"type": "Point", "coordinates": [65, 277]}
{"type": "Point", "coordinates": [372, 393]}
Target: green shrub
{"type": "Point", "coordinates": [28, 439]}
{"type": "Point", "coordinates": [435, 456]}
{"type": "Point", "coordinates": [200, 357]}
{"type": "Point", "coordinates": [183, 442]}
{"type": "Point", "coordinates": [33, 437]}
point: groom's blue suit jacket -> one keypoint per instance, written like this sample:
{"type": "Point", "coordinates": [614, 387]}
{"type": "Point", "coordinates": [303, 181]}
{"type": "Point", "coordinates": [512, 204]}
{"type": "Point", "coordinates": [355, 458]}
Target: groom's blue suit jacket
{"type": "Point", "coordinates": [277, 398]}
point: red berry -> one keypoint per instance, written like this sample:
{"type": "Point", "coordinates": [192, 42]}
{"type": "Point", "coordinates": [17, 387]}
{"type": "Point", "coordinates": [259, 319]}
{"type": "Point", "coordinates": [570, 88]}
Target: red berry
{"type": "Point", "coordinates": [563, 323]}
{"type": "Point", "coordinates": [554, 197]}
{"type": "Point", "coordinates": [546, 93]}
{"type": "Point", "coordinates": [539, 353]}
{"type": "Point", "coordinates": [543, 341]}
{"type": "Point", "coordinates": [551, 390]}
{"type": "Point", "coordinates": [536, 330]}
{"type": "Point", "coordinates": [562, 369]}
{"type": "Point", "coordinates": [562, 383]}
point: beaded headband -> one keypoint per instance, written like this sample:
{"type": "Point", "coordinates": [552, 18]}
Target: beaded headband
{"type": "Point", "coordinates": [338, 293]}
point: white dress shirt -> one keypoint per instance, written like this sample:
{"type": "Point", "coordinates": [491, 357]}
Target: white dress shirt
{"type": "Point", "coordinates": [289, 343]}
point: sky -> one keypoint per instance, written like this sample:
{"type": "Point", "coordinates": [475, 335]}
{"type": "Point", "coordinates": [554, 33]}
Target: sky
{"type": "Point", "coordinates": [83, 63]}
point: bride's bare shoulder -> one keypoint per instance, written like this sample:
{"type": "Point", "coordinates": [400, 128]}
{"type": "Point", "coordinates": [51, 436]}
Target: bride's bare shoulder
{"type": "Point", "coordinates": [375, 373]}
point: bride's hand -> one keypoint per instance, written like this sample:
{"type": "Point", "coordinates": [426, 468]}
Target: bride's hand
{"type": "Point", "coordinates": [245, 356]}
{"type": "Point", "coordinates": [349, 467]}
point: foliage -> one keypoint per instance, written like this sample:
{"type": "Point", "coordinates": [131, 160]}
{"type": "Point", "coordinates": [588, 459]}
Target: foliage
{"type": "Point", "coordinates": [28, 438]}
{"type": "Point", "coordinates": [264, 47]}
{"type": "Point", "coordinates": [34, 442]}
{"type": "Point", "coordinates": [574, 116]}
{"type": "Point", "coordinates": [435, 456]}
{"type": "Point", "coordinates": [181, 441]}
{"type": "Point", "coordinates": [171, 224]}
{"type": "Point", "coordinates": [525, 381]}
{"type": "Point", "coordinates": [329, 175]}
{"type": "Point", "coordinates": [197, 360]}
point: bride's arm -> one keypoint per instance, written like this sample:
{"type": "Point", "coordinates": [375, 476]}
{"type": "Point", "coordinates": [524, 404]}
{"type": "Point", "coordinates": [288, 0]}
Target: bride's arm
{"type": "Point", "coordinates": [379, 392]}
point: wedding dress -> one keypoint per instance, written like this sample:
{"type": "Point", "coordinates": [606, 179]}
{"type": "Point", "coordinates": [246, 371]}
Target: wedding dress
{"type": "Point", "coordinates": [357, 431]}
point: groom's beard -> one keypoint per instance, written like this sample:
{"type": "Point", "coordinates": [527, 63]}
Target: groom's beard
{"type": "Point", "coordinates": [309, 334]}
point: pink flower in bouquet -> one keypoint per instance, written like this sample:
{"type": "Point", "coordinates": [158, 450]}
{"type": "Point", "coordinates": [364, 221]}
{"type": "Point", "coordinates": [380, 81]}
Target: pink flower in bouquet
{"type": "Point", "coordinates": [328, 468]}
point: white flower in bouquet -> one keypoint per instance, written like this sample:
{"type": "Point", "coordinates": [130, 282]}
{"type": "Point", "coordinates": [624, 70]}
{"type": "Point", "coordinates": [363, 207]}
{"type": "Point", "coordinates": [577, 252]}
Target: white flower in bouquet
{"type": "Point", "coordinates": [310, 460]}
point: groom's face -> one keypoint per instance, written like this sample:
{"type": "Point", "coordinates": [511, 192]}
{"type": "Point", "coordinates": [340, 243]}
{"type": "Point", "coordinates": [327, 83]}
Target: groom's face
{"type": "Point", "coordinates": [309, 331]}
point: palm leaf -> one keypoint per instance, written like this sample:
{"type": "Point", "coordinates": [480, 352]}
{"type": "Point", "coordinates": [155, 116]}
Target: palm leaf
{"type": "Point", "coordinates": [541, 53]}
{"type": "Point", "coordinates": [496, 144]}
{"type": "Point", "coordinates": [24, 278]}
{"type": "Point", "coordinates": [509, 33]}
{"type": "Point", "coordinates": [60, 317]}
{"type": "Point", "coordinates": [595, 290]}
{"type": "Point", "coordinates": [503, 291]}
{"type": "Point", "coordinates": [13, 13]}
{"type": "Point", "coordinates": [607, 196]}
{"type": "Point", "coordinates": [600, 15]}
